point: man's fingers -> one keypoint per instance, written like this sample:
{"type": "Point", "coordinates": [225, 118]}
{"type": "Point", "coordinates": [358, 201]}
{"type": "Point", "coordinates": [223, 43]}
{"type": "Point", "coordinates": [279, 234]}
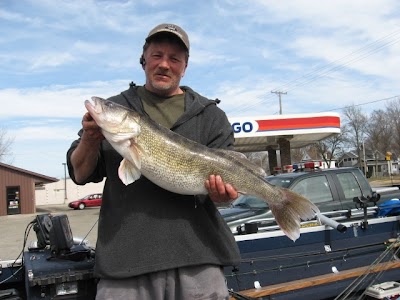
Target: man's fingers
{"type": "Point", "coordinates": [220, 186]}
{"type": "Point", "coordinates": [212, 185]}
{"type": "Point", "coordinates": [92, 131]}
{"type": "Point", "coordinates": [86, 118]}
{"type": "Point", "coordinates": [218, 190]}
{"type": "Point", "coordinates": [231, 191]}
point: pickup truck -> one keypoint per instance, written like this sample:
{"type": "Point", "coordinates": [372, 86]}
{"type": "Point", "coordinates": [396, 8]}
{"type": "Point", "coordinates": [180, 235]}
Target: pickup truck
{"type": "Point", "coordinates": [330, 189]}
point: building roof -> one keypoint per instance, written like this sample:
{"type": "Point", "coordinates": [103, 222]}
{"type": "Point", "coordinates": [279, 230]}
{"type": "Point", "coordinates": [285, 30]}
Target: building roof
{"type": "Point", "coordinates": [38, 178]}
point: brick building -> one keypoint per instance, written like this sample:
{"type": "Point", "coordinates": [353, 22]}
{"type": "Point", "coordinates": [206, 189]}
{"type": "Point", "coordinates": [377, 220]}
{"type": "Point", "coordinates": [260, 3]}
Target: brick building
{"type": "Point", "coordinates": [17, 189]}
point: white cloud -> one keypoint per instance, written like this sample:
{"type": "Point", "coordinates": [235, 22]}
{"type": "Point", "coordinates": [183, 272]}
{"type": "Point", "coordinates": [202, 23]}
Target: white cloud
{"type": "Point", "coordinates": [56, 101]}
{"type": "Point", "coordinates": [16, 17]}
{"type": "Point", "coordinates": [90, 47]}
{"type": "Point", "coordinates": [46, 133]}
{"type": "Point", "coordinates": [52, 60]}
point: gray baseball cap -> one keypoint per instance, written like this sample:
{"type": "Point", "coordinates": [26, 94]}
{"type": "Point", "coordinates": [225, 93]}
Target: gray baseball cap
{"type": "Point", "coordinates": [171, 28]}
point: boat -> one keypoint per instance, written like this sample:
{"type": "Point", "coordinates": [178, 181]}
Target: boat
{"type": "Point", "coordinates": [339, 255]}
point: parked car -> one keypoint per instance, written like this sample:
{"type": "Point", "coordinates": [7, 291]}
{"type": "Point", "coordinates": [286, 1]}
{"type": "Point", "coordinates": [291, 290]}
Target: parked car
{"type": "Point", "coordinates": [91, 200]}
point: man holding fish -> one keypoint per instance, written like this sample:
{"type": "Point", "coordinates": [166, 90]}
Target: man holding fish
{"type": "Point", "coordinates": [154, 243]}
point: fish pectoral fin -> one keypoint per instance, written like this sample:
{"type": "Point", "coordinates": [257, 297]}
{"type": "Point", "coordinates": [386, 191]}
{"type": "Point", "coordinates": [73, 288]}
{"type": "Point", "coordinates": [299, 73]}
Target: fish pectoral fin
{"type": "Point", "coordinates": [129, 169]}
{"type": "Point", "coordinates": [121, 137]}
{"type": "Point", "coordinates": [128, 172]}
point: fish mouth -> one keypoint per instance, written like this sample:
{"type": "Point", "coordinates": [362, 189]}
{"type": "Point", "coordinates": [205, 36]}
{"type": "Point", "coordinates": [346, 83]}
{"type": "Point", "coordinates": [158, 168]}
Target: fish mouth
{"type": "Point", "coordinates": [90, 107]}
{"type": "Point", "coordinates": [94, 107]}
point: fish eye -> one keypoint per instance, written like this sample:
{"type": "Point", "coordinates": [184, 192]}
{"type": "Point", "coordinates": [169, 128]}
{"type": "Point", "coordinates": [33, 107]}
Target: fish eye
{"type": "Point", "coordinates": [109, 104]}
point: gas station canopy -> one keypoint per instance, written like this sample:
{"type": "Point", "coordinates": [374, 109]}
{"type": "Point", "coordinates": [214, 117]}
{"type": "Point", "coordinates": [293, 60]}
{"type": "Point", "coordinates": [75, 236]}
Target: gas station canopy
{"type": "Point", "coordinates": [254, 134]}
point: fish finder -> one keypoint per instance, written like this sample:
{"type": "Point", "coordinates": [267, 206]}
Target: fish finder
{"type": "Point", "coordinates": [42, 226]}
{"type": "Point", "coordinates": [61, 238]}
{"type": "Point", "coordinates": [54, 233]}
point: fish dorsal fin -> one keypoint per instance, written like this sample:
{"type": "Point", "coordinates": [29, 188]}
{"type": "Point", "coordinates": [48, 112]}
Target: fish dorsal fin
{"type": "Point", "coordinates": [238, 156]}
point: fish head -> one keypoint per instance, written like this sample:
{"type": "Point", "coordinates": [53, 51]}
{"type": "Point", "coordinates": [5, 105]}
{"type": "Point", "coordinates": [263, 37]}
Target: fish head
{"type": "Point", "coordinates": [112, 117]}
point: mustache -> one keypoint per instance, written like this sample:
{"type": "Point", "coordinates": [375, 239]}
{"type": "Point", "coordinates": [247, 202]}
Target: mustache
{"type": "Point", "coordinates": [161, 71]}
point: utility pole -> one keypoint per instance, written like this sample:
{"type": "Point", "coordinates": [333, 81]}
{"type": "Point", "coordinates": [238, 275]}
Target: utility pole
{"type": "Point", "coordinates": [65, 182]}
{"type": "Point", "coordinates": [280, 100]}
{"type": "Point", "coordinates": [365, 161]}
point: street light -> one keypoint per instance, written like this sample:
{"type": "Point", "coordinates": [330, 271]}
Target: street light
{"type": "Point", "coordinates": [65, 181]}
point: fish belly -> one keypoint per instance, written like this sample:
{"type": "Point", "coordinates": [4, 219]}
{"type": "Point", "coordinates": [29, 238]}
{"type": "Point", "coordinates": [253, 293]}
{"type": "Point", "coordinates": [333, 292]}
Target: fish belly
{"type": "Point", "coordinates": [185, 182]}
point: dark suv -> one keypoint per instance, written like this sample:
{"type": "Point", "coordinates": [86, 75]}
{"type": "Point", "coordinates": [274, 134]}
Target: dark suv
{"type": "Point", "coordinates": [330, 189]}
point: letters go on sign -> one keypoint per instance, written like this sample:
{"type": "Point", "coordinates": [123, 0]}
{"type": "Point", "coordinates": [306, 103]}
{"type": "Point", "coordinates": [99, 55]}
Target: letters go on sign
{"type": "Point", "coordinates": [242, 127]}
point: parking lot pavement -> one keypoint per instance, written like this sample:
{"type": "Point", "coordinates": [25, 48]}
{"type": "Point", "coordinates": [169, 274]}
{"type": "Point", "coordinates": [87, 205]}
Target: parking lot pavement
{"type": "Point", "coordinates": [12, 228]}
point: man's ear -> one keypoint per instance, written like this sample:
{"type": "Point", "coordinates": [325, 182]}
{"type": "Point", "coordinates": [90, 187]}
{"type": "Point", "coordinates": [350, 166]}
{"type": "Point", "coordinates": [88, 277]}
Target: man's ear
{"type": "Point", "coordinates": [183, 73]}
{"type": "Point", "coordinates": [142, 61]}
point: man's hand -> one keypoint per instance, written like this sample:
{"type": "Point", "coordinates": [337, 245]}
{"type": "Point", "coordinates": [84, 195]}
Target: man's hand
{"type": "Point", "coordinates": [84, 158]}
{"type": "Point", "coordinates": [219, 191]}
{"type": "Point", "coordinates": [91, 131]}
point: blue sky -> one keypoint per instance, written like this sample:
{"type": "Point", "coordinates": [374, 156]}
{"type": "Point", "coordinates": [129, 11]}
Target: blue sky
{"type": "Point", "coordinates": [54, 54]}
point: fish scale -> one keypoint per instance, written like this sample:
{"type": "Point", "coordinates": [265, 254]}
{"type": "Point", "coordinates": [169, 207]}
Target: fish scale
{"type": "Point", "coordinates": [180, 165]}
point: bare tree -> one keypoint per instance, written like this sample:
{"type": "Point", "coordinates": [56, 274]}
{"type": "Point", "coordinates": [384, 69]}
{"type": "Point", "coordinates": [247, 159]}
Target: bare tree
{"type": "Point", "coordinates": [356, 121]}
{"type": "Point", "coordinates": [259, 158]}
{"type": "Point", "coordinates": [334, 146]}
{"type": "Point", "coordinates": [393, 115]}
{"type": "Point", "coordinates": [380, 132]}
{"type": "Point", "coordinates": [5, 145]}
{"type": "Point", "coordinates": [297, 154]}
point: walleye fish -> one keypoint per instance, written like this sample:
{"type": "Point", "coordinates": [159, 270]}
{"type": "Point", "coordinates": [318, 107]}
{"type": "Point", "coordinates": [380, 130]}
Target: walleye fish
{"type": "Point", "coordinates": [180, 165]}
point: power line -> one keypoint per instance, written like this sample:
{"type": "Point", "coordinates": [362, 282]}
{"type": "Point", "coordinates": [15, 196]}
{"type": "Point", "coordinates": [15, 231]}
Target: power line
{"type": "Point", "coordinates": [313, 75]}
{"type": "Point", "coordinates": [365, 103]}
{"type": "Point", "coordinates": [337, 64]}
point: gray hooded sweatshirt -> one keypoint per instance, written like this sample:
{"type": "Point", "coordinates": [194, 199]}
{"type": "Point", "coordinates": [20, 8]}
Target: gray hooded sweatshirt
{"type": "Point", "coordinates": [144, 228]}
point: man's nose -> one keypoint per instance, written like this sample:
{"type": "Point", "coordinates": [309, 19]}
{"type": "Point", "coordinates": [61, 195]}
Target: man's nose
{"type": "Point", "coordinates": [164, 63]}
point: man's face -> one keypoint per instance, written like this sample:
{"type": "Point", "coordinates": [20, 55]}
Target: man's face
{"type": "Point", "coordinates": [164, 68]}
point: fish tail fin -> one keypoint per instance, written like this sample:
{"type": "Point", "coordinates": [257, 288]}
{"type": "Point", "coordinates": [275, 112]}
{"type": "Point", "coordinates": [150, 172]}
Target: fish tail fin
{"type": "Point", "coordinates": [291, 210]}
